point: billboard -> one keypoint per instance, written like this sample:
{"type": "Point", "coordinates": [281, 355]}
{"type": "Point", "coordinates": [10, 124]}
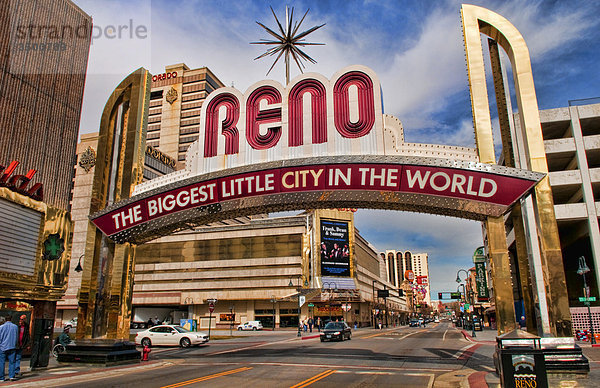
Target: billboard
{"type": "Point", "coordinates": [335, 248]}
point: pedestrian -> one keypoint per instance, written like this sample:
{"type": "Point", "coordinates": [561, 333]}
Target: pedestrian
{"type": "Point", "coordinates": [310, 324]}
{"type": "Point", "coordinates": [8, 341]}
{"type": "Point", "coordinates": [319, 324]}
{"type": "Point", "coordinates": [304, 326]}
{"type": "Point", "coordinates": [64, 339]}
{"type": "Point", "coordinates": [23, 342]}
{"type": "Point", "coordinates": [380, 325]}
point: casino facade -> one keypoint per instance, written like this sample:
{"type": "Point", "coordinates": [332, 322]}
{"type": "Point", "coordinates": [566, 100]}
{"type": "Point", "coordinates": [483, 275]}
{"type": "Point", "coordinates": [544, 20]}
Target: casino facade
{"type": "Point", "coordinates": [41, 96]}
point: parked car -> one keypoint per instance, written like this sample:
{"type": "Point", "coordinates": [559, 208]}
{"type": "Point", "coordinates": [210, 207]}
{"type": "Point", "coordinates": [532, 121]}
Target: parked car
{"type": "Point", "coordinates": [436, 320]}
{"type": "Point", "coordinates": [72, 323]}
{"type": "Point", "coordinates": [336, 330]}
{"type": "Point", "coordinates": [477, 325]}
{"type": "Point", "coordinates": [250, 325]}
{"type": "Point", "coordinates": [414, 323]}
{"type": "Point", "coordinates": [170, 335]}
{"type": "Point", "coordinates": [138, 325]}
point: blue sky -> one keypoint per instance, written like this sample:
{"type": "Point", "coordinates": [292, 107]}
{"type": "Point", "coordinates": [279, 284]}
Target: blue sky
{"type": "Point", "coordinates": [415, 47]}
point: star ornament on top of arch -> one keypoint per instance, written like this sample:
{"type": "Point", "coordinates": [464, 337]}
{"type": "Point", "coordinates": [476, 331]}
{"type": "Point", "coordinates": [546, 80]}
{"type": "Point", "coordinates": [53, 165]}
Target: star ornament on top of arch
{"type": "Point", "coordinates": [287, 42]}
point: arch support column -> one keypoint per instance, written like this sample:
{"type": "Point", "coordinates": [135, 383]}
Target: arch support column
{"type": "Point", "coordinates": [477, 20]}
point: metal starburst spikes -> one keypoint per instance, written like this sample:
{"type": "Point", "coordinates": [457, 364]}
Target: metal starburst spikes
{"type": "Point", "coordinates": [287, 41]}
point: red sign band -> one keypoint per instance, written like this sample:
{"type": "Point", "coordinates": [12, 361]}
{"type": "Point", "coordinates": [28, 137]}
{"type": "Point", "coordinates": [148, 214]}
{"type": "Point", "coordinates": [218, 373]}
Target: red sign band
{"type": "Point", "coordinates": [479, 186]}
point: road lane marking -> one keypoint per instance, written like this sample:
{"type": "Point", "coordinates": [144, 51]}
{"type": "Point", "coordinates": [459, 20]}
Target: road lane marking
{"type": "Point", "coordinates": [444, 337]}
{"type": "Point", "coordinates": [209, 377]}
{"type": "Point", "coordinates": [468, 351]}
{"type": "Point", "coordinates": [301, 365]}
{"type": "Point", "coordinates": [378, 334]}
{"type": "Point", "coordinates": [408, 335]}
{"type": "Point", "coordinates": [313, 379]}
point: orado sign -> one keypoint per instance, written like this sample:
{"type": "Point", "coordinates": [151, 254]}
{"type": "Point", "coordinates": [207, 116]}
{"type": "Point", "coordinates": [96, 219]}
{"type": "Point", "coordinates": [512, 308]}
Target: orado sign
{"type": "Point", "coordinates": [316, 143]}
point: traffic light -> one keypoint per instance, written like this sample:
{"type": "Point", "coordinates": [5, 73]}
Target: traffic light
{"type": "Point", "coordinates": [440, 296]}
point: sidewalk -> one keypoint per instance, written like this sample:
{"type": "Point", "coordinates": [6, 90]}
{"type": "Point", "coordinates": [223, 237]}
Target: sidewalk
{"type": "Point", "coordinates": [486, 336]}
{"type": "Point", "coordinates": [554, 379]}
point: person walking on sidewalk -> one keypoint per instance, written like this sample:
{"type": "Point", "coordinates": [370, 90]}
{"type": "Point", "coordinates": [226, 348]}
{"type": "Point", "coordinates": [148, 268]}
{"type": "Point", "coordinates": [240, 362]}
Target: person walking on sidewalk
{"type": "Point", "coordinates": [8, 341]}
{"type": "Point", "coordinates": [23, 342]}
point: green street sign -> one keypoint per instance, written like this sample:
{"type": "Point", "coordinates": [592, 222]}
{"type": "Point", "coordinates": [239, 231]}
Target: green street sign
{"type": "Point", "coordinates": [311, 305]}
{"type": "Point", "coordinates": [590, 299]}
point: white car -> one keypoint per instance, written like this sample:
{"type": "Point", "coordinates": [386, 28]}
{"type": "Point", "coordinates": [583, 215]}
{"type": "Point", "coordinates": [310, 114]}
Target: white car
{"type": "Point", "coordinates": [250, 325]}
{"type": "Point", "coordinates": [170, 335]}
{"type": "Point", "coordinates": [72, 323]}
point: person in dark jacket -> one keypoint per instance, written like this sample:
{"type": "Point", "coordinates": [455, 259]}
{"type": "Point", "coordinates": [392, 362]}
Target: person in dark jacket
{"type": "Point", "coordinates": [64, 339]}
{"type": "Point", "coordinates": [23, 342]}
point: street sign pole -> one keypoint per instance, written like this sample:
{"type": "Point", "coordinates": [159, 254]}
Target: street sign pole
{"type": "Point", "coordinates": [211, 308]}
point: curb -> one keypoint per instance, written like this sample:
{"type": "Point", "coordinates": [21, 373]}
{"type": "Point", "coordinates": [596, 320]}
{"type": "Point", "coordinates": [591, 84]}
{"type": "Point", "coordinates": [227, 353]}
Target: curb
{"type": "Point", "coordinates": [471, 339]}
{"type": "Point", "coordinates": [477, 379]}
{"type": "Point", "coordinates": [311, 336]}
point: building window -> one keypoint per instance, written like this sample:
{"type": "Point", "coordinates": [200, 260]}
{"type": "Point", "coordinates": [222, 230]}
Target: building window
{"type": "Point", "coordinates": [156, 95]}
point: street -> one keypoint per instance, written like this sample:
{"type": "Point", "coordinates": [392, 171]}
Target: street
{"type": "Point", "coordinates": [411, 357]}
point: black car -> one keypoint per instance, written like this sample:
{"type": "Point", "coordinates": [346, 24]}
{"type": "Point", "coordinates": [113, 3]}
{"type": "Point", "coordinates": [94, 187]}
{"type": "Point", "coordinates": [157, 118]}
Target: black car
{"type": "Point", "coordinates": [336, 330]}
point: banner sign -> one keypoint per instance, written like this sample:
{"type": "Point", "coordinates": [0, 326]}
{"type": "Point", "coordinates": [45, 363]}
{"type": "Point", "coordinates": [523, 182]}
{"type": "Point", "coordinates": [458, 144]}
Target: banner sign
{"type": "Point", "coordinates": [422, 280]}
{"type": "Point", "coordinates": [227, 317]}
{"type": "Point", "coordinates": [335, 251]}
{"type": "Point", "coordinates": [434, 181]}
{"type": "Point", "coordinates": [481, 281]}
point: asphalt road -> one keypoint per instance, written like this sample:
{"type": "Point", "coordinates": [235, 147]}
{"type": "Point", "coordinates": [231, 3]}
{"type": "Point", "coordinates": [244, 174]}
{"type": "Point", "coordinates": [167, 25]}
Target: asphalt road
{"type": "Point", "coordinates": [407, 357]}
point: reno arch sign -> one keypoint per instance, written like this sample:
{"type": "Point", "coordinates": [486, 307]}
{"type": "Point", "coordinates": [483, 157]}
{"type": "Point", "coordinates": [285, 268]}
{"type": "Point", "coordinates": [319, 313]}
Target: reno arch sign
{"type": "Point", "coordinates": [316, 143]}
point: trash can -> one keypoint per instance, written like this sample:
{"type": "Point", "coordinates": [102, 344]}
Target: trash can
{"type": "Point", "coordinates": [42, 342]}
{"type": "Point", "coordinates": [519, 360]}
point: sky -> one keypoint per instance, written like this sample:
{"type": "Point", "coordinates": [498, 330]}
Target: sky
{"type": "Point", "coordinates": [415, 47]}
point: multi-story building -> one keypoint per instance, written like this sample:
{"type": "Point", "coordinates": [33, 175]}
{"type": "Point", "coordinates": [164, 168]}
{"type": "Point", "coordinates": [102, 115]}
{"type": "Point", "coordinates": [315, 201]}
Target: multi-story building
{"type": "Point", "coordinates": [572, 145]}
{"type": "Point", "coordinates": [395, 264]}
{"type": "Point", "coordinates": [41, 92]}
{"type": "Point", "coordinates": [175, 102]}
{"type": "Point", "coordinates": [254, 270]}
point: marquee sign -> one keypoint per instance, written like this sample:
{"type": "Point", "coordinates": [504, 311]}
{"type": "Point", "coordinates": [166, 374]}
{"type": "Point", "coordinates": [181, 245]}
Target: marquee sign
{"type": "Point", "coordinates": [315, 144]}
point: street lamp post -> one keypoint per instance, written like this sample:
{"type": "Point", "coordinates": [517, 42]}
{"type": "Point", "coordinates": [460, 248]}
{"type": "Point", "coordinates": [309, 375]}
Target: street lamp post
{"type": "Point", "coordinates": [465, 293]}
{"type": "Point", "coordinates": [582, 270]}
{"type": "Point", "coordinates": [299, 288]}
{"type": "Point", "coordinates": [273, 300]}
{"type": "Point", "coordinates": [374, 304]}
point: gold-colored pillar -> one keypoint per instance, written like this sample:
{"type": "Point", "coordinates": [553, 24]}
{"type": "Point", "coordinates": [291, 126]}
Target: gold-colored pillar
{"type": "Point", "coordinates": [107, 278]}
{"type": "Point", "coordinates": [497, 246]}
{"type": "Point", "coordinates": [525, 277]}
{"type": "Point", "coordinates": [501, 276]}
{"type": "Point", "coordinates": [478, 20]}
{"type": "Point", "coordinates": [508, 152]}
